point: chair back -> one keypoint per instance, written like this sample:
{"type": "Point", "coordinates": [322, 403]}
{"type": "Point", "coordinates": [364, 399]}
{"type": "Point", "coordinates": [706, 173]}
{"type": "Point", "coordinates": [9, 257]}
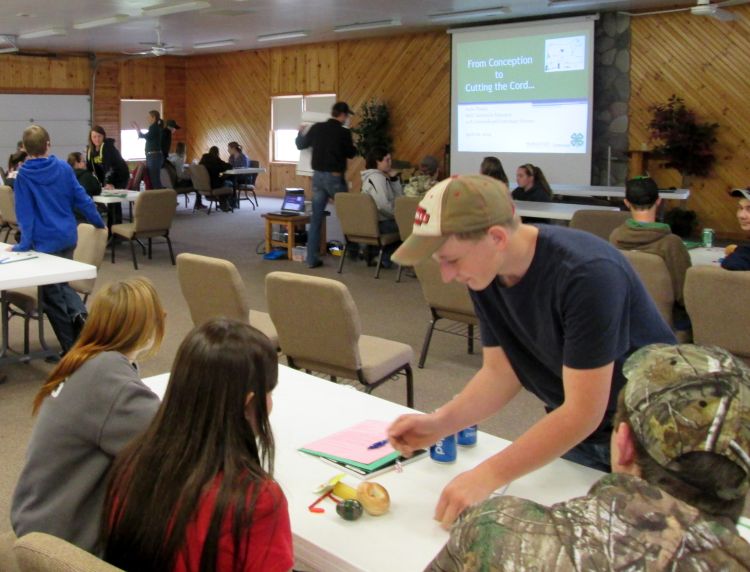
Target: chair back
{"type": "Point", "coordinates": [358, 216]}
{"type": "Point", "coordinates": [168, 176]}
{"type": "Point", "coordinates": [200, 178]}
{"type": "Point", "coordinates": [251, 178]}
{"type": "Point", "coordinates": [221, 296]}
{"type": "Point", "coordinates": [8, 206]}
{"type": "Point", "coordinates": [301, 307]}
{"type": "Point", "coordinates": [137, 176]}
{"type": "Point", "coordinates": [92, 244]}
{"type": "Point", "coordinates": [404, 211]}
{"type": "Point", "coordinates": [39, 552]}
{"type": "Point", "coordinates": [600, 223]}
{"type": "Point", "coordinates": [451, 300]}
{"type": "Point", "coordinates": [716, 300]}
{"type": "Point", "coordinates": [154, 210]}
{"type": "Point", "coordinates": [653, 272]}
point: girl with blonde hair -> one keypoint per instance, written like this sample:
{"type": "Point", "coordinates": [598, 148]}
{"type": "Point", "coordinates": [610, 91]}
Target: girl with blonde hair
{"type": "Point", "coordinates": [91, 406]}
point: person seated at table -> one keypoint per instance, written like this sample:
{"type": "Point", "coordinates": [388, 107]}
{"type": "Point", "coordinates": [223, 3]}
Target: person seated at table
{"type": "Point", "coordinates": [738, 257]}
{"type": "Point", "coordinates": [176, 161]}
{"type": "Point", "coordinates": [680, 461]}
{"type": "Point", "coordinates": [643, 233]}
{"type": "Point", "coordinates": [85, 177]}
{"type": "Point", "coordinates": [425, 179]}
{"type": "Point", "coordinates": [493, 167]}
{"type": "Point", "coordinates": [196, 490]}
{"type": "Point", "coordinates": [381, 182]}
{"type": "Point", "coordinates": [104, 160]}
{"type": "Point", "coordinates": [238, 160]}
{"type": "Point", "coordinates": [14, 164]}
{"type": "Point", "coordinates": [532, 185]}
{"type": "Point", "coordinates": [215, 167]}
{"type": "Point", "coordinates": [92, 404]}
{"type": "Point", "coordinates": [47, 197]}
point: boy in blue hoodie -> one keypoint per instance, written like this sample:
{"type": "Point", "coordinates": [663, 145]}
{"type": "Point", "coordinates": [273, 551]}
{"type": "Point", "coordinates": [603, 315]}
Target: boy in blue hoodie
{"type": "Point", "coordinates": [47, 194]}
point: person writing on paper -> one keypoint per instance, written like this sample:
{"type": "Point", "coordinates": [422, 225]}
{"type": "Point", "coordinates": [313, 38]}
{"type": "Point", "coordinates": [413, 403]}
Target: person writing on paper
{"type": "Point", "coordinates": [48, 195]}
{"type": "Point", "coordinates": [196, 490]}
{"type": "Point", "coordinates": [559, 312]}
{"type": "Point", "coordinates": [424, 179]}
{"type": "Point", "coordinates": [92, 405]}
{"type": "Point", "coordinates": [738, 257]}
{"type": "Point", "coordinates": [332, 145]}
{"type": "Point", "coordinates": [680, 455]}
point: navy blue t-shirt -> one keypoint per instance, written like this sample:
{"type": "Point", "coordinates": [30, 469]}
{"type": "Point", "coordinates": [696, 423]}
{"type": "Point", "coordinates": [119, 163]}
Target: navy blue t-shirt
{"type": "Point", "coordinates": [738, 260]}
{"type": "Point", "coordinates": [580, 304]}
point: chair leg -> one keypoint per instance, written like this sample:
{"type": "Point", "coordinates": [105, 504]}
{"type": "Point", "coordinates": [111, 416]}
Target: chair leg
{"type": "Point", "coordinates": [400, 270]}
{"type": "Point", "coordinates": [113, 242]}
{"type": "Point", "coordinates": [257, 204]}
{"type": "Point", "coordinates": [333, 378]}
{"type": "Point", "coordinates": [7, 234]}
{"type": "Point", "coordinates": [380, 261]}
{"type": "Point", "coordinates": [132, 250]}
{"type": "Point", "coordinates": [343, 256]}
{"type": "Point", "coordinates": [409, 385]}
{"type": "Point", "coordinates": [171, 252]}
{"type": "Point", "coordinates": [149, 249]}
{"type": "Point", "coordinates": [471, 338]}
{"type": "Point", "coordinates": [427, 340]}
{"type": "Point", "coordinates": [26, 334]}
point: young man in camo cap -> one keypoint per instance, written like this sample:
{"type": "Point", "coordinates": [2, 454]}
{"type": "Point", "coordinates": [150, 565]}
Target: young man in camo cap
{"type": "Point", "coordinates": [681, 456]}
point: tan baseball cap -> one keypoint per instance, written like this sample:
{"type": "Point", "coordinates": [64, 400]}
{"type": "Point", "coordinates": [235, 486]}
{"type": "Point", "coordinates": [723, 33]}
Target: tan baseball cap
{"type": "Point", "coordinates": [465, 203]}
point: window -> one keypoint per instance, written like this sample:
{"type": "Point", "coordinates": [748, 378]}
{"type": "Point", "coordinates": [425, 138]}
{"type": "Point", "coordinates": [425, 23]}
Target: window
{"type": "Point", "coordinates": [286, 116]}
{"type": "Point", "coordinates": [132, 147]}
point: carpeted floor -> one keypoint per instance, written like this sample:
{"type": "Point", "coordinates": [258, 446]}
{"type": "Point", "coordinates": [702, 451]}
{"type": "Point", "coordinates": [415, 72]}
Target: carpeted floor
{"type": "Point", "coordinates": [392, 310]}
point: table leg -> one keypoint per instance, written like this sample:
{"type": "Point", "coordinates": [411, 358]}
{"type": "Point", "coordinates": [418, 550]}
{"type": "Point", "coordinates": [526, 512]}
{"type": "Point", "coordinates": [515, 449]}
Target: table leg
{"type": "Point", "coordinates": [269, 229]}
{"type": "Point", "coordinates": [291, 229]}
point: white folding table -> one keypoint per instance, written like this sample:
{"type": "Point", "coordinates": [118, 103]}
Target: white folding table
{"type": "Point", "coordinates": [703, 256]}
{"type": "Point", "coordinates": [406, 538]}
{"type": "Point", "coordinates": [612, 192]}
{"type": "Point", "coordinates": [242, 171]}
{"type": "Point", "coordinates": [557, 211]}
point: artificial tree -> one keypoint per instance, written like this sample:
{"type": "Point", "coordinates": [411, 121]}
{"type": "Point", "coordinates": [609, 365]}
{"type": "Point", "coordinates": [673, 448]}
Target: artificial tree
{"type": "Point", "coordinates": [373, 127]}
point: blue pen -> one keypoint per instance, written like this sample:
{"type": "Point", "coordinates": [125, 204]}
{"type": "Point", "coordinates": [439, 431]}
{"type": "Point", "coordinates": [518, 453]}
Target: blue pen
{"type": "Point", "coordinates": [378, 444]}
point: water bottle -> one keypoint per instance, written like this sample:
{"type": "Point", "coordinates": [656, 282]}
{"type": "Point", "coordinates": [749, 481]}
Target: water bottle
{"type": "Point", "coordinates": [444, 451]}
{"type": "Point", "coordinates": [467, 437]}
{"type": "Point", "coordinates": [142, 186]}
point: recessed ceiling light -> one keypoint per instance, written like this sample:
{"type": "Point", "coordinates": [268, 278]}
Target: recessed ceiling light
{"type": "Point", "coordinates": [116, 19]}
{"type": "Point", "coordinates": [216, 44]}
{"type": "Point", "coordinates": [25, 15]}
{"type": "Point", "coordinates": [43, 33]}
{"type": "Point", "coordinates": [470, 14]}
{"type": "Point", "coordinates": [167, 9]}
{"type": "Point", "coordinates": [283, 36]}
{"type": "Point", "coordinates": [368, 25]}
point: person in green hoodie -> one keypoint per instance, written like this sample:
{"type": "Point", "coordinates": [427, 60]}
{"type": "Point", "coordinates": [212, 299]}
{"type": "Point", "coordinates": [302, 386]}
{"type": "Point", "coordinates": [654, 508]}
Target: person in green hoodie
{"type": "Point", "coordinates": [643, 233]}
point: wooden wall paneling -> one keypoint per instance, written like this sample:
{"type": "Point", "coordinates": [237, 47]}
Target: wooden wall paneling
{"type": "Point", "coordinates": [32, 74]}
{"type": "Point", "coordinates": [321, 69]}
{"type": "Point", "coordinates": [174, 95]}
{"type": "Point", "coordinates": [107, 99]}
{"type": "Point", "coordinates": [227, 99]}
{"type": "Point", "coordinates": [704, 61]}
{"type": "Point", "coordinates": [142, 78]}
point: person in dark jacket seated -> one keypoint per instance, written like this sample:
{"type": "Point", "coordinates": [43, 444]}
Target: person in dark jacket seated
{"type": "Point", "coordinates": [85, 177]}
{"type": "Point", "coordinates": [532, 186]}
{"type": "Point", "coordinates": [14, 164]}
{"type": "Point", "coordinates": [215, 166]}
{"type": "Point", "coordinates": [738, 257]}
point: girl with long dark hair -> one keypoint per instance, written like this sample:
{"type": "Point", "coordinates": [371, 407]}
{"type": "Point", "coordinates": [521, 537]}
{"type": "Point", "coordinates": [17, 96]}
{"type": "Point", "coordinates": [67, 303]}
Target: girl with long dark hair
{"type": "Point", "coordinates": [104, 160]}
{"type": "Point", "coordinates": [532, 185]}
{"type": "Point", "coordinates": [196, 492]}
{"type": "Point", "coordinates": [91, 406]}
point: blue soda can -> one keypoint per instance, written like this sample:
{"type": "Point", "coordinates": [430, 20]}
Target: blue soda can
{"type": "Point", "coordinates": [467, 437]}
{"type": "Point", "coordinates": [444, 451]}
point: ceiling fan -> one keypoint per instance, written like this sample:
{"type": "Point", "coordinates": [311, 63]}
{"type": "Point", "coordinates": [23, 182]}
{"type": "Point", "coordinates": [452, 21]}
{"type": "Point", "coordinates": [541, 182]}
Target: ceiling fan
{"type": "Point", "coordinates": [156, 49]}
{"type": "Point", "coordinates": [702, 8]}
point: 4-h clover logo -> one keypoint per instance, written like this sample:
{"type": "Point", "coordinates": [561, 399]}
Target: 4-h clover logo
{"type": "Point", "coordinates": [576, 139]}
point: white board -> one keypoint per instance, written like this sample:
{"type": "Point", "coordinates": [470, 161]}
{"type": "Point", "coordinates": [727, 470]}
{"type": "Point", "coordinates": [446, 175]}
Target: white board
{"type": "Point", "coordinates": [65, 117]}
{"type": "Point", "coordinates": [309, 118]}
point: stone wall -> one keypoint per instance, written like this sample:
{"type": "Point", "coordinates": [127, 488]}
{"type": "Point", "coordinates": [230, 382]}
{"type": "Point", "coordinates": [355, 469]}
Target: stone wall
{"type": "Point", "coordinates": [611, 96]}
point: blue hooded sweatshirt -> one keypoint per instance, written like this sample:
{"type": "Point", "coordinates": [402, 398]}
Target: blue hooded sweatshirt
{"type": "Point", "coordinates": [46, 192]}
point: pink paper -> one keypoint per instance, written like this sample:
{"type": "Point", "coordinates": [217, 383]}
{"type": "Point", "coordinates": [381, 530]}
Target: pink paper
{"type": "Point", "coordinates": [352, 443]}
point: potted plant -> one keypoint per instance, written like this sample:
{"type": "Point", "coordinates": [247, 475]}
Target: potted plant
{"type": "Point", "coordinates": [373, 127]}
{"type": "Point", "coordinates": [685, 143]}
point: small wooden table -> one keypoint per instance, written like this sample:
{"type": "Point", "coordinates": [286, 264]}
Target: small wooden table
{"type": "Point", "coordinates": [291, 223]}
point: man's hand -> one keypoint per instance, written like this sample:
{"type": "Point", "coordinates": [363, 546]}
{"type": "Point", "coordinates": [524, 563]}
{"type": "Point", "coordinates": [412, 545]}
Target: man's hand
{"type": "Point", "coordinates": [411, 432]}
{"type": "Point", "coordinates": [466, 489]}
{"type": "Point", "coordinates": [7, 247]}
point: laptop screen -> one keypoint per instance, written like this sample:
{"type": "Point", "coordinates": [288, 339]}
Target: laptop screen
{"type": "Point", "coordinates": [294, 202]}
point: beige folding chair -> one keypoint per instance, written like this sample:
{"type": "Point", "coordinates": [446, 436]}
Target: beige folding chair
{"type": "Point", "coordinates": [168, 177]}
{"type": "Point", "coordinates": [404, 211]}
{"type": "Point", "coordinates": [152, 217]}
{"type": "Point", "coordinates": [202, 184]}
{"type": "Point", "coordinates": [359, 223]}
{"type": "Point", "coordinates": [24, 302]}
{"type": "Point", "coordinates": [600, 223]}
{"type": "Point", "coordinates": [223, 295]}
{"type": "Point", "coordinates": [449, 301]}
{"type": "Point", "coordinates": [8, 211]}
{"type": "Point", "coordinates": [302, 307]}
{"type": "Point", "coordinates": [8, 562]}
{"type": "Point", "coordinates": [716, 301]}
{"type": "Point", "coordinates": [40, 552]}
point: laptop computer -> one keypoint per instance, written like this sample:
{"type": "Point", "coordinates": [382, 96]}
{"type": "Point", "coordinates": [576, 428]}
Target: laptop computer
{"type": "Point", "coordinates": [294, 203]}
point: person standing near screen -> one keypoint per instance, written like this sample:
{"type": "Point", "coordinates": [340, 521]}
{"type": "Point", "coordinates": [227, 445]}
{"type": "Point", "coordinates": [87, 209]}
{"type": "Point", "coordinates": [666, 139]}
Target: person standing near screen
{"type": "Point", "coordinates": [332, 145]}
{"type": "Point", "coordinates": [154, 157]}
{"type": "Point", "coordinates": [559, 312]}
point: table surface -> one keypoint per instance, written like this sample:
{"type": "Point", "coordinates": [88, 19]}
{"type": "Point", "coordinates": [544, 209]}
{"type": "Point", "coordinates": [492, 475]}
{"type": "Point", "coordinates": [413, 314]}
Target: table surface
{"type": "Point", "coordinates": [703, 256]}
{"type": "Point", "coordinates": [605, 191]}
{"type": "Point", "coordinates": [406, 538]}
{"type": "Point", "coordinates": [110, 196]}
{"type": "Point", "coordinates": [44, 269]}
{"type": "Point", "coordinates": [559, 211]}
{"type": "Point", "coordinates": [245, 171]}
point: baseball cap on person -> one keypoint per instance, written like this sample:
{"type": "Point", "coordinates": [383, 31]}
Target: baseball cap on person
{"type": "Point", "coordinates": [641, 191]}
{"type": "Point", "coordinates": [459, 204]}
{"type": "Point", "coordinates": [172, 123]}
{"type": "Point", "coordinates": [687, 398]}
{"type": "Point", "coordinates": [341, 107]}
{"type": "Point", "coordinates": [741, 193]}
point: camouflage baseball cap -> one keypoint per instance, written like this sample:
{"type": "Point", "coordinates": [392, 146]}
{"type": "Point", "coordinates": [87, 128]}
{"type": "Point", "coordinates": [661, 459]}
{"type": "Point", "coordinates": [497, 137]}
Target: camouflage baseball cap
{"type": "Point", "coordinates": [686, 398]}
{"type": "Point", "coordinates": [459, 204]}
